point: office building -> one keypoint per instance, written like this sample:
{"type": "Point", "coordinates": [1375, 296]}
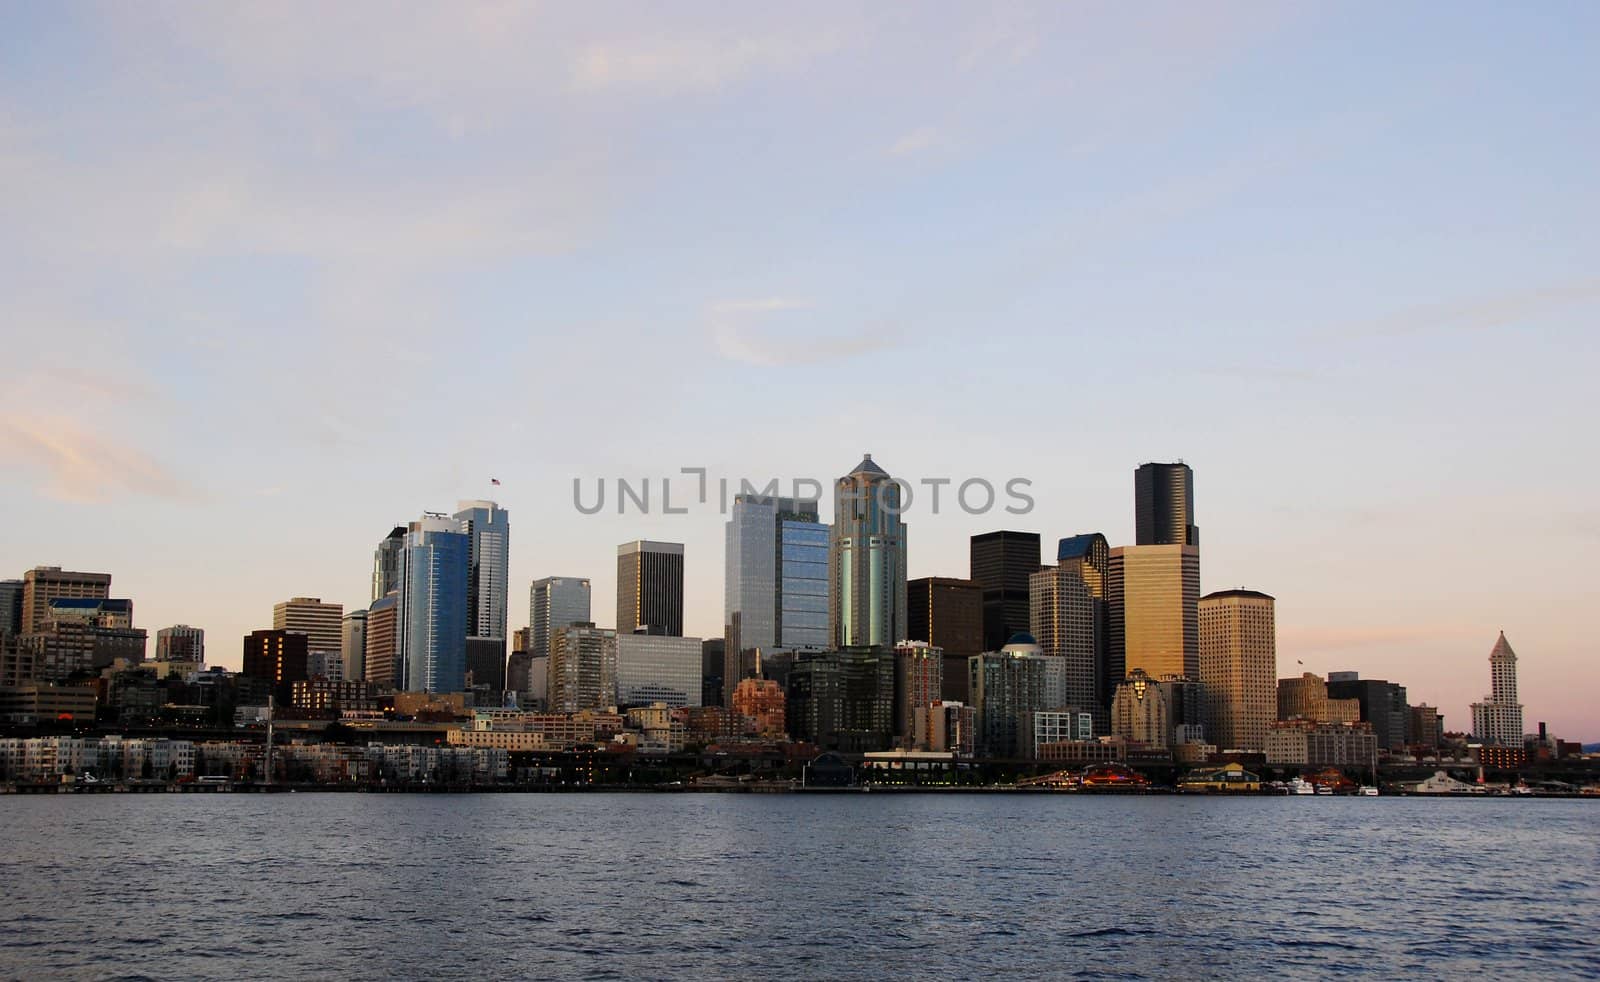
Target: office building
{"type": "Point", "coordinates": [1163, 496]}
{"type": "Point", "coordinates": [486, 666]}
{"type": "Point", "coordinates": [353, 645]}
{"type": "Point", "coordinates": [381, 655]}
{"type": "Point", "coordinates": [77, 636]}
{"type": "Point", "coordinates": [43, 584]}
{"type": "Point", "coordinates": [1153, 598]}
{"type": "Point", "coordinates": [1069, 616]}
{"type": "Point", "coordinates": [1497, 720]}
{"type": "Point", "coordinates": [181, 643]}
{"type": "Point", "coordinates": [650, 587]}
{"type": "Point", "coordinates": [775, 583]}
{"type": "Point", "coordinates": [1307, 743]}
{"type": "Point", "coordinates": [918, 683]}
{"type": "Point", "coordinates": [386, 563]}
{"type": "Point", "coordinates": [321, 623]}
{"type": "Point", "coordinates": [1001, 563]}
{"type": "Point", "coordinates": [488, 530]}
{"type": "Point", "coordinates": [1007, 688]}
{"type": "Point", "coordinates": [1306, 697]}
{"type": "Point", "coordinates": [842, 700]}
{"type": "Point", "coordinates": [582, 669]}
{"type": "Point", "coordinates": [867, 560]}
{"type": "Point", "coordinates": [1427, 727]}
{"type": "Point", "coordinates": [553, 603]}
{"type": "Point", "coordinates": [1238, 667]}
{"type": "Point", "coordinates": [658, 668]}
{"type": "Point", "coordinates": [1383, 705]}
{"type": "Point", "coordinates": [712, 657]}
{"type": "Point", "coordinates": [431, 628]}
{"type": "Point", "coordinates": [1139, 712]}
{"type": "Point", "coordinates": [279, 658]}
{"type": "Point", "coordinates": [11, 593]}
{"type": "Point", "coordinates": [947, 727]}
{"type": "Point", "coordinates": [948, 614]}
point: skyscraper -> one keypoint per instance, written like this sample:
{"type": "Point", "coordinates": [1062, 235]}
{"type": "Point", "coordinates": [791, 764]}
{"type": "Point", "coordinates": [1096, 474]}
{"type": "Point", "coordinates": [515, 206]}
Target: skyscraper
{"type": "Point", "coordinates": [1069, 615]}
{"type": "Point", "coordinates": [432, 622]}
{"type": "Point", "coordinates": [43, 584]}
{"type": "Point", "coordinates": [1008, 687]}
{"type": "Point", "coordinates": [948, 614]}
{"type": "Point", "coordinates": [1383, 705]}
{"type": "Point", "coordinates": [554, 602]}
{"type": "Point", "coordinates": [867, 560]}
{"type": "Point", "coordinates": [1153, 596]}
{"type": "Point", "coordinates": [319, 622]}
{"type": "Point", "coordinates": [650, 587]}
{"type": "Point", "coordinates": [918, 684]}
{"type": "Point", "coordinates": [1139, 711]}
{"type": "Point", "coordinates": [382, 665]}
{"type": "Point", "coordinates": [10, 607]}
{"type": "Point", "coordinates": [1238, 667]}
{"type": "Point", "coordinates": [842, 700]}
{"type": "Point", "coordinates": [488, 526]}
{"type": "Point", "coordinates": [353, 645]}
{"type": "Point", "coordinates": [1001, 563]}
{"type": "Point", "coordinates": [386, 563]}
{"type": "Point", "coordinates": [1164, 506]}
{"type": "Point", "coordinates": [775, 582]}
{"type": "Point", "coordinates": [1497, 719]}
{"type": "Point", "coordinates": [582, 668]}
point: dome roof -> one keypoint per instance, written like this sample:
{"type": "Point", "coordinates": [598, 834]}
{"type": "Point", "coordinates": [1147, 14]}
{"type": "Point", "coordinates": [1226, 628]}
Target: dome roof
{"type": "Point", "coordinates": [1022, 638]}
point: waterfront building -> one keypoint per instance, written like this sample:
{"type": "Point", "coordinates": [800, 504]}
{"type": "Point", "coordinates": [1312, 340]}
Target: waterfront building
{"type": "Point", "coordinates": [650, 587]}
{"type": "Point", "coordinates": [555, 602]}
{"type": "Point", "coordinates": [431, 627]}
{"type": "Point", "coordinates": [1383, 704]}
{"type": "Point", "coordinates": [353, 645]}
{"type": "Point", "coordinates": [35, 702]}
{"type": "Point", "coordinates": [277, 657]}
{"type": "Point", "coordinates": [1427, 727]}
{"type": "Point", "coordinates": [43, 584]}
{"type": "Point", "coordinates": [842, 700]}
{"type": "Point", "coordinates": [1163, 500]}
{"type": "Point", "coordinates": [1007, 687]}
{"type": "Point", "coordinates": [582, 669]}
{"type": "Point", "coordinates": [1069, 614]}
{"type": "Point", "coordinates": [181, 643]}
{"type": "Point", "coordinates": [948, 614]}
{"type": "Point", "coordinates": [1497, 720]}
{"type": "Point", "coordinates": [867, 560]}
{"type": "Point", "coordinates": [657, 668]}
{"type": "Point", "coordinates": [386, 563]}
{"type": "Point", "coordinates": [381, 662]}
{"type": "Point", "coordinates": [1060, 725]}
{"type": "Point", "coordinates": [1306, 743]}
{"type": "Point", "coordinates": [1139, 712]}
{"type": "Point", "coordinates": [918, 682]}
{"type": "Point", "coordinates": [764, 703]}
{"type": "Point", "coordinates": [947, 727]}
{"type": "Point", "coordinates": [1238, 667]}
{"type": "Point", "coordinates": [1001, 563]}
{"type": "Point", "coordinates": [1153, 597]}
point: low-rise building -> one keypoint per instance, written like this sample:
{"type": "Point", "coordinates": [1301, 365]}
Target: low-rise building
{"type": "Point", "coordinates": [1307, 743]}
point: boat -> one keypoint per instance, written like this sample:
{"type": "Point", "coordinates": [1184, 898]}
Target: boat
{"type": "Point", "coordinates": [1368, 791]}
{"type": "Point", "coordinates": [1323, 789]}
{"type": "Point", "coordinates": [1300, 785]}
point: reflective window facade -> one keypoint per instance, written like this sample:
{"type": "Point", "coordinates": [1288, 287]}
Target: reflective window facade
{"type": "Point", "coordinates": [1153, 595]}
{"type": "Point", "coordinates": [657, 668]}
{"type": "Point", "coordinates": [433, 606]}
{"type": "Point", "coordinates": [867, 560]}
{"type": "Point", "coordinates": [775, 581]}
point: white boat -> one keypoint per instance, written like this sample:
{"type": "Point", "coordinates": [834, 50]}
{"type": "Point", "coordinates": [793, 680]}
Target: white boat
{"type": "Point", "coordinates": [1301, 786]}
{"type": "Point", "coordinates": [1369, 791]}
{"type": "Point", "coordinates": [1324, 789]}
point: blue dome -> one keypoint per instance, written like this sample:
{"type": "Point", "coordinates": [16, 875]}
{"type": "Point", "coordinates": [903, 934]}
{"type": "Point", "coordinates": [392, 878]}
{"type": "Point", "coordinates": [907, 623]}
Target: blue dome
{"type": "Point", "coordinates": [1021, 637]}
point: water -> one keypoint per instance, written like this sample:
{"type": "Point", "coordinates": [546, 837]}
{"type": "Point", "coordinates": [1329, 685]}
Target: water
{"type": "Point", "coordinates": [366, 886]}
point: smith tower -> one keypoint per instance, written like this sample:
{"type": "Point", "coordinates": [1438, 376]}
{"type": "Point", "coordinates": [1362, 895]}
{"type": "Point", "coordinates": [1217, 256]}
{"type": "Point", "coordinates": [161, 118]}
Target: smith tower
{"type": "Point", "coordinates": [867, 560]}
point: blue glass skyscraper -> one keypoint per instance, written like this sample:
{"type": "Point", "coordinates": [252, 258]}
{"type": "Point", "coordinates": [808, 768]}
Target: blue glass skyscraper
{"type": "Point", "coordinates": [432, 625]}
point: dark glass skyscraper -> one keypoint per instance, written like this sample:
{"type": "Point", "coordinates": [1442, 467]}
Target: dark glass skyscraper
{"type": "Point", "coordinates": [948, 614]}
{"type": "Point", "coordinates": [1163, 496]}
{"type": "Point", "coordinates": [650, 587]}
{"type": "Point", "coordinates": [1001, 564]}
{"type": "Point", "coordinates": [867, 560]}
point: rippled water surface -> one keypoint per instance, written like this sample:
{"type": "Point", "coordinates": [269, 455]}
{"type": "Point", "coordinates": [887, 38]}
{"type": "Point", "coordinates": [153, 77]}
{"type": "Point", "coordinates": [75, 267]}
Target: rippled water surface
{"type": "Point", "coordinates": [863, 886]}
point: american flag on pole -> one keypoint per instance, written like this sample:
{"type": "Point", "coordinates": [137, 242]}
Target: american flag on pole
{"type": "Point", "coordinates": [495, 481]}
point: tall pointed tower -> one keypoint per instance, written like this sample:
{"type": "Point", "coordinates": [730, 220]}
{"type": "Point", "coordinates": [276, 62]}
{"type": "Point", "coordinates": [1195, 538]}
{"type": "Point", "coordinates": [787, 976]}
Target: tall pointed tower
{"type": "Point", "coordinates": [867, 560]}
{"type": "Point", "coordinates": [1498, 718]}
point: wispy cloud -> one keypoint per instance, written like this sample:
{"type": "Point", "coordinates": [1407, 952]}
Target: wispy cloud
{"type": "Point", "coordinates": [77, 464]}
{"type": "Point", "coordinates": [691, 64]}
{"type": "Point", "coordinates": [920, 140]}
{"type": "Point", "coordinates": [756, 333]}
{"type": "Point", "coordinates": [1475, 314]}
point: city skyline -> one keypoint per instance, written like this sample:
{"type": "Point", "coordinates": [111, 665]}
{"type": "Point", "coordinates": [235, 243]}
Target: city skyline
{"type": "Point", "coordinates": [1300, 249]}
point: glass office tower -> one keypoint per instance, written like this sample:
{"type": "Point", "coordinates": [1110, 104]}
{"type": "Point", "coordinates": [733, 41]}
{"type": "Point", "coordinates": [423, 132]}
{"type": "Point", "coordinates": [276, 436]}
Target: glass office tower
{"type": "Point", "coordinates": [432, 623]}
{"type": "Point", "coordinates": [867, 560]}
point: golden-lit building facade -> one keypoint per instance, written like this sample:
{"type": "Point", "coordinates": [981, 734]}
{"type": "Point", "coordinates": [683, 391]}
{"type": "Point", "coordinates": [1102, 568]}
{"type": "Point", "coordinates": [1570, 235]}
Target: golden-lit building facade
{"type": "Point", "coordinates": [1238, 667]}
{"type": "Point", "coordinates": [1139, 713]}
{"type": "Point", "coordinates": [1154, 596]}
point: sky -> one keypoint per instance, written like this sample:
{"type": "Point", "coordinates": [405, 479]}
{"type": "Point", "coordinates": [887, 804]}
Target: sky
{"type": "Point", "coordinates": [275, 278]}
